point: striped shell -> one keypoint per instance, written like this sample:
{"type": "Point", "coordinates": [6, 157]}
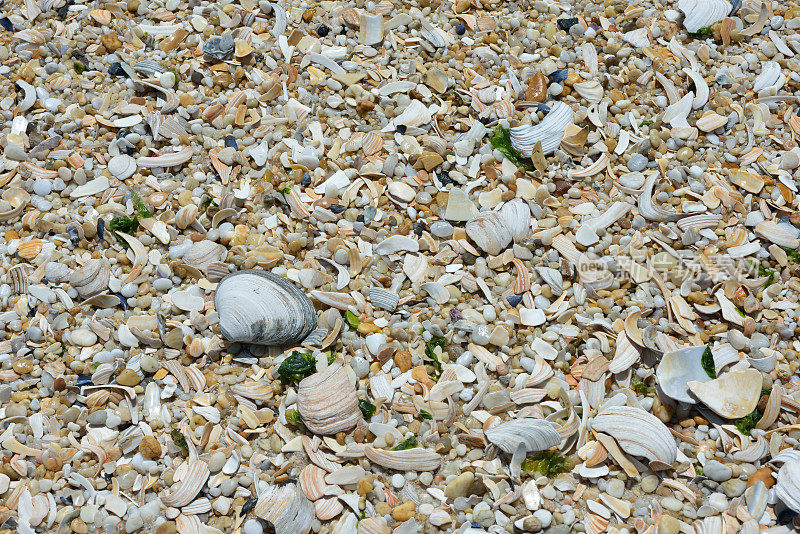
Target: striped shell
{"type": "Point", "coordinates": [638, 433]}
{"type": "Point", "coordinates": [535, 434]}
{"type": "Point", "coordinates": [327, 401]}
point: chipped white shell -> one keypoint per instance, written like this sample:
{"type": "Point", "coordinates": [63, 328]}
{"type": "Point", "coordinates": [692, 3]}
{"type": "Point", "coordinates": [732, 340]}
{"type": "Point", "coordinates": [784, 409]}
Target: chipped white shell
{"type": "Point", "coordinates": [289, 511]}
{"type": "Point", "coordinates": [535, 434]}
{"type": "Point", "coordinates": [638, 433]}
{"type": "Point", "coordinates": [550, 131]}
{"type": "Point", "coordinates": [733, 395]}
{"type": "Point", "coordinates": [416, 459]}
{"type": "Point", "coordinates": [788, 484]}
{"type": "Point", "coordinates": [489, 232]}
{"type": "Point", "coordinates": [702, 13]}
{"type": "Point", "coordinates": [677, 369]}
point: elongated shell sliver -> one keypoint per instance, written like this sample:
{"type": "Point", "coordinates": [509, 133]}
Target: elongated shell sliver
{"type": "Point", "coordinates": [262, 308]}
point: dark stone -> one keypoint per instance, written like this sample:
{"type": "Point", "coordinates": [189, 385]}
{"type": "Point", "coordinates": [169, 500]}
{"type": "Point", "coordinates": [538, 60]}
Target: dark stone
{"type": "Point", "coordinates": [461, 29]}
{"type": "Point", "coordinates": [566, 24]}
{"type": "Point", "coordinates": [337, 208]}
{"type": "Point", "coordinates": [558, 76]}
{"type": "Point", "coordinates": [115, 69]}
{"type": "Point", "coordinates": [323, 30]}
{"type": "Point", "coordinates": [306, 181]}
{"type": "Point", "coordinates": [230, 141]}
{"type": "Point", "coordinates": [5, 22]}
{"type": "Point", "coordinates": [219, 47]}
{"type": "Point", "coordinates": [514, 300]}
{"type": "Point", "coordinates": [401, 128]}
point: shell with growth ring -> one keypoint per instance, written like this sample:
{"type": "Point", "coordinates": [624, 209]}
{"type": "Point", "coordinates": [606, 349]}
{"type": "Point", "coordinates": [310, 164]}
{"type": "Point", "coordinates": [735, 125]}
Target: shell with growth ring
{"type": "Point", "coordinates": [733, 395]}
{"type": "Point", "coordinates": [327, 401]}
{"type": "Point", "coordinates": [677, 369]}
{"type": "Point", "coordinates": [638, 433]}
{"type": "Point", "coordinates": [262, 308]}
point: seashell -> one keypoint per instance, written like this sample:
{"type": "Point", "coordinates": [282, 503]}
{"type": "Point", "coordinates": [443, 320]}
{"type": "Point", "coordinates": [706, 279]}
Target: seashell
{"type": "Point", "coordinates": [396, 243]}
{"type": "Point", "coordinates": [56, 272]}
{"type": "Point", "coordinates": [378, 525]}
{"type": "Point", "coordinates": [327, 401]}
{"type": "Point", "coordinates": [416, 114]}
{"type": "Point", "coordinates": [702, 13]}
{"type": "Point", "coordinates": [489, 232]}
{"type": "Point", "coordinates": [638, 433]}
{"type": "Point", "coordinates": [91, 278]}
{"type": "Point", "coordinates": [701, 88]}
{"type": "Point", "coordinates": [169, 159]}
{"type": "Point", "coordinates": [711, 121]}
{"type": "Point", "coordinates": [677, 369]}
{"type": "Point", "coordinates": [625, 355]}
{"type": "Point", "coordinates": [650, 211]}
{"type": "Point", "coordinates": [203, 253]}
{"type": "Point", "coordinates": [102, 16]}
{"type": "Point", "coordinates": [591, 90]}
{"type": "Point", "coordinates": [777, 233]}
{"type": "Point", "coordinates": [765, 363]}
{"type": "Point", "coordinates": [677, 113]}
{"type": "Point", "coordinates": [733, 395]}
{"type": "Point", "coordinates": [286, 508]}
{"type": "Point", "coordinates": [550, 131]}
{"type": "Point", "coordinates": [312, 481]}
{"type": "Point", "coordinates": [534, 434]}
{"type": "Point", "coordinates": [516, 216]}
{"type": "Point", "coordinates": [437, 291]}
{"type": "Point", "coordinates": [262, 308]}
{"type": "Point", "coordinates": [371, 29]}
{"type": "Point", "coordinates": [384, 298]}
{"type": "Point", "coordinates": [770, 76]}
{"type": "Point", "coordinates": [416, 459]}
{"type": "Point", "coordinates": [756, 499]}
{"type": "Point", "coordinates": [186, 216]}
{"type": "Point", "coordinates": [327, 508]}
{"type": "Point", "coordinates": [28, 250]}
{"type": "Point", "coordinates": [192, 481]}
{"type": "Point", "coordinates": [122, 166]}
{"type": "Point", "coordinates": [787, 488]}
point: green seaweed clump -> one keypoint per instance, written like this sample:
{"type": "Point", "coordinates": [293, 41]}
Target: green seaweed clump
{"type": "Point", "coordinates": [707, 362]}
{"type": "Point", "coordinates": [548, 463]}
{"type": "Point", "coordinates": [296, 367]}
{"type": "Point", "coordinates": [501, 140]}
{"type": "Point", "coordinates": [409, 443]}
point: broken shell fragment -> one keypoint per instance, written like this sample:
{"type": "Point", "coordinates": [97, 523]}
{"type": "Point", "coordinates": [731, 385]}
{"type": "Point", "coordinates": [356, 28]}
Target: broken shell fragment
{"type": "Point", "coordinates": [550, 131]}
{"type": "Point", "coordinates": [262, 308]}
{"type": "Point", "coordinates": [638, 433]}
{"type": "Point", "coordinates": [534, 434]}
{"type": "Point", "coordinates": [677, 369]}
{"type": "Point", "coordinates": [733, 395]}
{"type": "Point", "coordinates": [91, 278]}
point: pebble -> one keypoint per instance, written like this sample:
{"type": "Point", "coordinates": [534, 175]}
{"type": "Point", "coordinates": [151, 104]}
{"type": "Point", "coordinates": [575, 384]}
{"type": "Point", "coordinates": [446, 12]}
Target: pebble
{"type": "Point", "coordinates": [460, 485]}
{"type": "Point", "coordinates": [637, 163]}
{"type": "Point", "coordinates": [668, 525]}
{"type": "Point", "coordinates": [717, 471]}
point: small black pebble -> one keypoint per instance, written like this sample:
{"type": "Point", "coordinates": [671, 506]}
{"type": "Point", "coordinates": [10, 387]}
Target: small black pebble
{"type": "Point", "coordinates": [485, 120]}
{"type": "Point", "coordinates": [360, 218]}
{"type": "Point", "coordinates": [444, 178]}
{"type": "Point", "coordinates": [247, 506]}
{"type": "Point", "coordinates": [101, 227]}
{"type": "Point", "coordinates": [542, 107]}
{"type": "Point", "coordinates": [323, 30]}
{"type": "Point", "coordinates": [419, 228]}
{"type": "Point", "coordinates": [566, 24]}
{"type": "Point", "coordinates": [122, 133]}
{"type": "Point", "coordinates": [64, 10]}
{"type": "Point", "coordinates": [115, 69]}
{"type": "Point", "coordinates": [83, 380]}
{"type": "Point", "coordinates": [401, 128]}
{"type": "Point", "coordinates": [461, 29]}
{"type": "Point", "coordinates": [230, 141]}
{"type": "Point", "coordinates": [558, 76]}
{"type": "Point", "coordinates": [5, 22]}
{"type": "Point", "coordinates": [514, 300]}
{"type": "Point", "coordinates": [337, 208]}
{"type": "Point", "coordinates": [306, 181]}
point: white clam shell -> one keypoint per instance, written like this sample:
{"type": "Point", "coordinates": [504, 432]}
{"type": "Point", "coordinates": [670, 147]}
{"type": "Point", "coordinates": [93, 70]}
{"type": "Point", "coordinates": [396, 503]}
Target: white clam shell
{"type": "Point", "coordinates": [770, 75]}
{"type": "Point", "coordinates": [733, 395]}
{"type": "Point", "coordinates": [591, 90]}
{"type": "Point", "coordinates": [638, 433]}
{"type": "Point", "coordinates": [788, 484]}
{"type": "Point", "coordinates": [262, 308]}
{"type": "Point", "coordinates": [702, 13]}
{"type": "Point", "coordinates": [677, 369]}
{"type": "Point", "coordinates": [534, 434]}
{"type": "Point", "coordinates": [516, 215]}
{"type": "Point", "coordinates": [203, 253]}
{"type": "Point", "coordinates": [122, 166]}
{"type": "Point", "coordinates": [550, 131]}
{"type": "Point", "coordinates": [489, 232]}
{"type": "Point", "coordinates": [384, 298]}
{"type": "Point", "coordinates": [91, 278]}
{"type": "Point", "coordinates": [327, 401]}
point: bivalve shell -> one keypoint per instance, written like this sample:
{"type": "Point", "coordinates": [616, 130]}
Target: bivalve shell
{"type": "Point", "coordinates": [489, 232]}
{"type": "Point", "coordinates": [677, 369]}
{"type": "Point", "coordinates": [91, 278]}
{"type": "Point", "coordinates": [788, 486]}
{"type": "Point", "coordinates": [327, 401]}
{"type": "Point", "coordinates": [638, 433]}
{"type": "Point", "coordinates": [289, 511]}
{"type": "Point", "coordinates": [702, 13]}
{"type": "Point", "coordinates": [416, 459]}
{"type": "Point", "coordinates": [534, 434]}
{"type": "Point", "coordinates": [262, 308]}
{"type": "Point", "coordinates": [733, 395]}
{"type": "Point", "coordinates": [550, 131]}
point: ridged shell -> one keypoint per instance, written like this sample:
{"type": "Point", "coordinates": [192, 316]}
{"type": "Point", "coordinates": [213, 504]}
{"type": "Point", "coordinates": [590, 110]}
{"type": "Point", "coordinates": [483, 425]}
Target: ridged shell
{"type": "Point", "coordinates": [625, 355]}
{"type": "Point", "coordinates": [516, 214]}
{"type": "Point", "coordinates": [591, 90]}
{"type": "Point", "coordinates": [383, 298]}
{"type": "Point", "coordinates": [489, 232]}
{"type": "Point", "coordinates": [638, 433]}
{"type": "Point", "coordinates": [91, 278]}
{"type": "Point", "coordinates": [535, 434]}
{"type": "Point", "coordinates": [262, 308]}
{"type": "Point", "coordinates": [416, 459]}
{"type": "Point", "coordinates": [778, 233]}
{"type": "Point", "coordinates": [204, 252]}
{"type": "Point", "coordinates": [733, 395]}
{"type": "Point", "coordinates": [677, 369]}
{"type": "Point", "coordinates": [327, 401]}
{"type": "Point", "coordinates": [192, 481]}
{"type": "Point", "coordinates": [788, 486]}
{"type": "Point", "coordinates": [289, 511]}
{"type": "Point", "coordinates": [374, 525]}
{"type": "Point", "coordinates": [550, 131]}
{"type": "Point", "coordinates": [702, 13]}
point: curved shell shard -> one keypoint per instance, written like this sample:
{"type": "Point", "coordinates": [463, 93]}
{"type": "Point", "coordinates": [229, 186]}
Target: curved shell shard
{"type": "Point", "coordinates": [677, 369]}
{"type": "Point", "coordinates": [489, 232]}
{"type": "Point", "coordinates": [262, 308]}
{"type": "Point", "coordinates": [638, 433]}
{"type": "Point", "coordinates": [289, 511]}
{"type": "Point", "coordinates": [733, 395]}
{"type": "Point", "coordinates": [90, 279]}
{"type": "Point", "coordinates": [702, 13]}
{"type": "Point", "coordinates": [416, 459]}
{"type": "Point", "coordinates": [550, 131]}
{"type": "Point", "coordinates": [534, 434]}
{"type": "Point", "coordinates": [788, 484]}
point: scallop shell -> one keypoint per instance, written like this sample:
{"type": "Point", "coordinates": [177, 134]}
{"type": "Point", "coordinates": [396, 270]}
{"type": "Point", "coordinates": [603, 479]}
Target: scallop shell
{"type": "Point", "coordinates": [91, 278]}
{"type": "Point", "coordinates": [677, 369]}
{"type": "Point", "coordinates": [550, 131]}
{"type": "Point", "coordinates": [733, 395]}
{"type": "Point", "coordinates": [778, 233]}
{"type": "Point", "coordinates": [489, 232]}
{"type": "Point", "coordinates": [327, 401]}
{"type": "Point", "coordinates": [289, 511]}
{"type": "Point", "coordinates": [770, 75]}
{"type": "Point", "coordinates": [535, 434]}
{"type": "Point", "coordinates": [186, 216]}
{"type": "Point", "coordinates": [638, 433]}
{"type": "Point", "coordinates": [702, 13]}
{"type": "Point", "coordinates": [262, 308]}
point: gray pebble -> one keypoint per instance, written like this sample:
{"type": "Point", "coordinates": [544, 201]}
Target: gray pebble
{"type": "Point", "coordinates": [637, 163]}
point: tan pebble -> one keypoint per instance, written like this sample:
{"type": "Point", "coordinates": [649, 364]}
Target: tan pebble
{"type": "Point", "coordinates": [22, 367]}
{"type": "Point", "coordinates": [111, 42]}
{"type": "Point", "coordinates": [382, 508]}
{"type": "Point", "coordinates": [168, 527]}
{"type": "Point", "coordinates": [150, 447]}
{"type": "Point", "coordinates": [668, 525]}
{"type": "Point", "coordinates": [403, 512]}
{"type": "Point", "coordinates": [365, 486]}
{"type": "Point", "coordinates": [128, 378]}
{"type": "Point", "coordinates": [402, 359]}
{"type": "Point", "coordinates": [764, 475]}
{"type": "Point", "coordinates": [78, 526]}
{"type": "Point", "coordinates": [460, 485]}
